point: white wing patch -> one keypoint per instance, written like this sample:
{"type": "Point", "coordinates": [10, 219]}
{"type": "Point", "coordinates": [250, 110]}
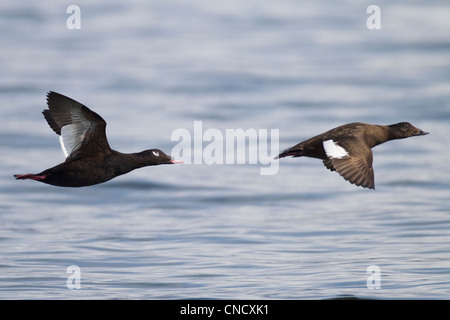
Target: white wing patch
{"type": "Point", "coordinates": [63, 147]}
{"type": "Point", "coordinates": [333, 150]}
{"type": "Point", "coordinates": [71, 137]}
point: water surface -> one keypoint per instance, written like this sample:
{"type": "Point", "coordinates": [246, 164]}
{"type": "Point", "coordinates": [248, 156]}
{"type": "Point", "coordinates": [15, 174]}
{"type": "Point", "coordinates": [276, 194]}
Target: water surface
{"type": "Point", "coordinates": [225, 231]}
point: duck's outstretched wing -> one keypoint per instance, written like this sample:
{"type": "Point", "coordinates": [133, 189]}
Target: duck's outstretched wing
{"type": "Point", "coordinates": [352, 160]}
{"type": "Point", "coordinates": [81, 131]}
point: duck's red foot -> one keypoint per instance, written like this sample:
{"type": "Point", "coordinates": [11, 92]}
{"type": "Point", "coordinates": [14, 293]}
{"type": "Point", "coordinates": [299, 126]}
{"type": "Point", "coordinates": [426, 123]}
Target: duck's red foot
{"type": "Point", "coordinates": [30, 176]}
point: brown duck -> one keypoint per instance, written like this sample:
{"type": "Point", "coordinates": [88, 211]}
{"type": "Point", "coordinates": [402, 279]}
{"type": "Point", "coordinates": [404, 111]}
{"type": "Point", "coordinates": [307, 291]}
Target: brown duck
{"type": "Point", "coordinates": [89, 158]}
{"type": "Point", "coordinates": [347, 149]}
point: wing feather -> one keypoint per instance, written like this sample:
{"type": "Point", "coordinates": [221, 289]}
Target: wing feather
{"type": "Point", "coordinates": [80, 129]}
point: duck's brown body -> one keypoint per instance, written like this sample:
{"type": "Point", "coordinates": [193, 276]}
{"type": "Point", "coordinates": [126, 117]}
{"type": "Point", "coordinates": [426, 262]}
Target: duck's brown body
{"type": "Point", "coordinates": [347, 148]}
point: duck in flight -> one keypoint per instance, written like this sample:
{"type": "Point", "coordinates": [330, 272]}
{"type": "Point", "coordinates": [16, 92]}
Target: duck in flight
{"type": "Point", "coordinates": [347, 148]}
{"type": "Point", "coordinates": [89, 158]}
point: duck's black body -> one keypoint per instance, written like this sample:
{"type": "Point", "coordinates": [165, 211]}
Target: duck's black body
{"type": "Point", "coordinates": [347, 149]}
{"type": "Point", "coordinates": [89, 158]}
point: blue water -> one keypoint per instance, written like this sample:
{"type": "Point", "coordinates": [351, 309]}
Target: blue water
{"type": "Point", "coordinates": [226, 231]}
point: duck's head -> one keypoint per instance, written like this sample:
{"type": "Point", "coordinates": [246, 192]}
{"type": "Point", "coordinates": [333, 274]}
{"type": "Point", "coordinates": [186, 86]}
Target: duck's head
{"type": "Point", "coordinates": [405, 130]}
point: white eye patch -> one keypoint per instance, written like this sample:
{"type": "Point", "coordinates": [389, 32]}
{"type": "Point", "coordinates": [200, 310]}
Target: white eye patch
{"type": "Point", "coordinates": [156, 153]}
{"type": "Point", "coordinates": [333, 150]}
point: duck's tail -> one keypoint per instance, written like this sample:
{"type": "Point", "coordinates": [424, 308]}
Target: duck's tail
{"type": "Point", "coordinates": [29, 176]}
{"type": "Point", "coordinates": [290, 152]}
